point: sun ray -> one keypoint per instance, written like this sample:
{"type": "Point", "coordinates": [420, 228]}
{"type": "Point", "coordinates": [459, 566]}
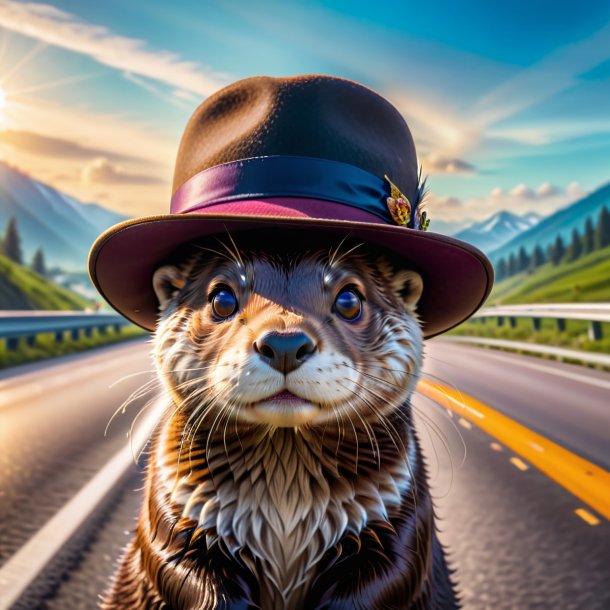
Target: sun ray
{"type": "Point", "coordinates": [23, 61]}
{"type": "Point", "coordinates": [4, 43]}
{"type": "Point", "coordinates": [57, 83]}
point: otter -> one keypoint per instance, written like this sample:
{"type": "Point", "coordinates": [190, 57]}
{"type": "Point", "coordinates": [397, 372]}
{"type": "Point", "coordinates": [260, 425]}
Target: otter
{"type": "Point", "coordinates": [286, 473]}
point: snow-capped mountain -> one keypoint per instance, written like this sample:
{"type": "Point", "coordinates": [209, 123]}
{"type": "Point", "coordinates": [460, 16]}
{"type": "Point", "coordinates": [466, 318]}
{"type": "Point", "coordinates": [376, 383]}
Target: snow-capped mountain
{"type": "Point", "coordinates": [560, 223]}
{"type": "Point", "coordinates": [61, 225]}
{"type": "Point", "coordinates": [497, 230]}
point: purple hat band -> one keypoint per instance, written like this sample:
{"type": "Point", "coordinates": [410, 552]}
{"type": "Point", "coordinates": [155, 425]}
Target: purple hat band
{"type": "Point", "coordinates": [307, 178]}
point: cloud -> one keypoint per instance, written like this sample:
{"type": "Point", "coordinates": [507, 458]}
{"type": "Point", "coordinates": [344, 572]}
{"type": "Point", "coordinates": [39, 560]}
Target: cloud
{"type": "Point", "coordinates": [522, 191]}
{"type": "Point", "coordinates": [497, 193]}
{"type": "Point", "coordinates": [64, 177]}
{"type": "Point", "coordinates": [109, 135]}
{"type": "Point", "coordinates": [547, 190]}
{"type": "Point", "coordinates": [435, 164]}
{"type": "Point", "coordinates": [575, 190]}
{"type": "Point", "coordinates": [62, 29]}
{"type": "Point", "coordinates": [447, 202]}
{"type": "Point", "coordinates": [181, 94]}
{"type": "Point", "coordinates": [102, 171]}
{"type": "Point", "coordinates": [521, 199]}
{"type": "Point", "coordinates": [553, 74]}
{"type": "Point", "coordinates": [39, 144]}
{"type": "Point", "coordinates": [119, 138]}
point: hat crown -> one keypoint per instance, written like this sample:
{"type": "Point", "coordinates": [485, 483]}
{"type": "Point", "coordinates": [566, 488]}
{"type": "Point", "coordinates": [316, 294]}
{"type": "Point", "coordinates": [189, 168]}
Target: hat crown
{"type": "Point", "coordinates": [311, 116]}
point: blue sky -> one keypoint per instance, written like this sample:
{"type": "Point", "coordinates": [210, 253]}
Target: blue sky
{"type": "Point", "coordinates": [508, 102]}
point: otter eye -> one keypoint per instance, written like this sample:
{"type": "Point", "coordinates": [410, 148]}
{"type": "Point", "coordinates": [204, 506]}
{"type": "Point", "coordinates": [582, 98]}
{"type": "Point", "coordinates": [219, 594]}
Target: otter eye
{"type": "Point", "coordinates": [224, 303]}
{"type": "Point", "coordinates": [348, 304]}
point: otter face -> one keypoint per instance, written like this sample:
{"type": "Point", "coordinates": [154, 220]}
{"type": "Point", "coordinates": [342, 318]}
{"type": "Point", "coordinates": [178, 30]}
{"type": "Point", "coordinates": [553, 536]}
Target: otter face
{"type": "Point", "coordinates": [288, 337]}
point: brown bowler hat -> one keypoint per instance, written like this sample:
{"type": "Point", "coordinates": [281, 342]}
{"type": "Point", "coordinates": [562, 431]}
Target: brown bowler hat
{"type": "Point", "coordinates": [306, 152]}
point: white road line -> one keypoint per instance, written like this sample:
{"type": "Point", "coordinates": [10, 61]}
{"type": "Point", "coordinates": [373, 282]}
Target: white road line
{"type": "Point", "coordinates": [557, 371]}
{"type": "Point", "coordinates": [17, 574]}
{"type": "Point", "coordinates": [27, 387]}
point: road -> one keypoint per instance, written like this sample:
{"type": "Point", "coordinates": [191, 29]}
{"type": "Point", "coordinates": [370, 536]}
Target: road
{"type": "Point", "coordinates": [566, 403]}
{"type": "Point", "coordinates": [513, 535]}
{"type": "Point", "coordinates": [52, 434]}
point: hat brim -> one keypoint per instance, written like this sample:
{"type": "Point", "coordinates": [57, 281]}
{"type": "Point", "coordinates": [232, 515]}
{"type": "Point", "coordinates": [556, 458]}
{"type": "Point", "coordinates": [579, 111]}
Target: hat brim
{"type": "Point", "coordinates": [457, 276]}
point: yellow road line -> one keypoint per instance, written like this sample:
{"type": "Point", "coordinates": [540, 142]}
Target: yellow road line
{"type": "Point", "coordinates": [465, 423]}
{"type": "Point", "coordinates": [519, 463]}
{"type": "Point", "coordinates": [586, 516]}
{"type": "Point", "coordinates": [582, 478]}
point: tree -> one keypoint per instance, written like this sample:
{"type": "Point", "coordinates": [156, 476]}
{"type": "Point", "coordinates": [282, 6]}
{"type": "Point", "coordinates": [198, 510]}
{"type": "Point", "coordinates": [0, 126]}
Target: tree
{"type": "Point", "coordinates": [11, 244]}
{"type": "Point", "coordinates": [512, 265]}
{"type": "Point", "coordinates": [38, 263]}
{"type": "Point", "coordinates": [523, 260]}
{"type": "Point", "coordinates": [538, 259]}
{"type": "Point", "coordinates": [557, 251]}
{"type": "Point", "coordinates": [602, 230]}
{"type": "Point", "coordinates": [588, 237]}
{"type": "Point", "coordinates": [501, 269]}
{"type": "Point", "coordinates": [575, 247]}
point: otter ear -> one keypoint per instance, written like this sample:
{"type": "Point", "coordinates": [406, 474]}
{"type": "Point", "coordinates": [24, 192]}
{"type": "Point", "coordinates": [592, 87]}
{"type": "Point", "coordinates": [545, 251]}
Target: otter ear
{"type": "Point", "coordinates": [408, 286]}
{"type": "Point", "coordinates": [167, 281]}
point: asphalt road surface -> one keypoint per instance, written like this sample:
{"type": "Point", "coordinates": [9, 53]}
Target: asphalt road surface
{"type": "Point", "coordinates": [513, 535]}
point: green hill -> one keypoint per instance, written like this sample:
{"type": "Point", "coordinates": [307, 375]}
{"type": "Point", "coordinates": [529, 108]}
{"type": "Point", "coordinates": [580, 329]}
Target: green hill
{"type": "Point", "coordinates": [562, 222]}
{"type": "Point", "coordinates": [586, 280]}
{"type": "Point", "coordinates": [22, 288]}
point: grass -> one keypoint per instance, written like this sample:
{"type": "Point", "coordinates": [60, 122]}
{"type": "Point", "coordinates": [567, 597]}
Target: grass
{"type": "Point", "coordinates": [585, 280]}
{"type": "Point", "coordinates": [47, 347]}
{"type": "Point", "coordinates": [575, 335]}
{"type": "Point", "coordinates": [22, 288]}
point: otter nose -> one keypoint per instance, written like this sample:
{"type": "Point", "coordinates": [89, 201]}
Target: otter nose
{"type": "Point", "coordinates": [285, 352]}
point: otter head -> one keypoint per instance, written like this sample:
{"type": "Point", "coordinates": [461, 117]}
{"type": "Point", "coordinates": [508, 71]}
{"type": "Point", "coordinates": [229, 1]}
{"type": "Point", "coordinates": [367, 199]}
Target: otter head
{"type": "Point", "coordinates": [285, 335]}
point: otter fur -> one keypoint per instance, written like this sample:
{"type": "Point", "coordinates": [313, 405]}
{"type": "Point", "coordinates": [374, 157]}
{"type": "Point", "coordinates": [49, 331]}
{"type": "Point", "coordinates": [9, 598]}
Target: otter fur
{"type": "Point", "coordinates": [285, 482]}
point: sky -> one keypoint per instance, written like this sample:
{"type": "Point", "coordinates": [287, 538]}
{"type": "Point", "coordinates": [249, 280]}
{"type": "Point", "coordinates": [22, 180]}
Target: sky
{"type": "Point", "coordinates": [508, 103]}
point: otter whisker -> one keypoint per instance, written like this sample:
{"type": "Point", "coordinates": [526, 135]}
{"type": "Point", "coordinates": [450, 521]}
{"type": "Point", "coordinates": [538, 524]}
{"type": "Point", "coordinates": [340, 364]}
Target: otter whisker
{"type": "Point", "coordinates": [148, 404]}
{"type": "Point", "coordinates": [356, 440]}
{"type": "Point", "coordinates": [195, 415]}
{"type": "Point", "coordinates": [423, 415]}
{"type": "Point", "coordinates": [135, 395]}
{"type": "Point", "coordinates": [130, 376]}
{"type": "Point", "coordinates": [370, 432]}
{"type": "Point", "coordinates": [236, 251]}
{"type": "Point", "coordinates": [336, 250]}
{"type": "Point", "coordinates": [380, 416]}
{"type": "Point", "coordinates": [436, 427]}
{"type": "Point", "coordinates": [425, 374]}
{"type": "Point", "coordinates": [199, 419]}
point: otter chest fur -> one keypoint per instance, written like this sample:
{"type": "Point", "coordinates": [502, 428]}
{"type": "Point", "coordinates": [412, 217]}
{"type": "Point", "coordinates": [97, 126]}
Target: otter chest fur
{"type": "Point", "coordinates": [285, 473]}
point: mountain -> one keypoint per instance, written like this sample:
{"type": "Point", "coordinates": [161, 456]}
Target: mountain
{"type": "Point", "coordinates": [61, 225]}
{"type": "Point", "coordinates": [583, 280]}
{"type": "Point", "coordinates": [446, 227]}
{"type": "Point", "coordinates": [562, 222]}
{"type": "Point", "coordinates": [498, 229]}
{"type": "Point", "coordinates": [21, 288]}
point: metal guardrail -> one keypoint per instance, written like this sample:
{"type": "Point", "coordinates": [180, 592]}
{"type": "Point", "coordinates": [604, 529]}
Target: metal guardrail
{"type": "Point", "coordinates": [594, 313]}
{"type": "Point", "coordinates": [16, 326]}
{"type": "Point", "coordinates": [549, 350]}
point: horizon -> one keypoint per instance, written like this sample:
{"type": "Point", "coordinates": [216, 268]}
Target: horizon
{"type": "Point", "coordinates": [93, 99]}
